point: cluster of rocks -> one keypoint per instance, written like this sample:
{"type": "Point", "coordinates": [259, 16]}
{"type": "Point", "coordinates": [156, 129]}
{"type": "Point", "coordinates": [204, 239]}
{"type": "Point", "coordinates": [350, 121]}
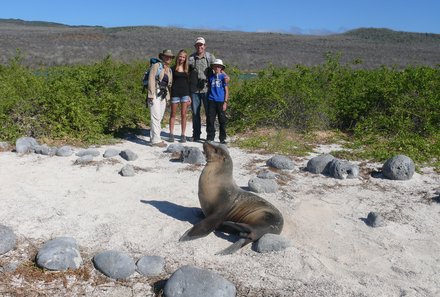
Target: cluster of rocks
{"type": "Point", "coordinates": [265, 181]}
{"type": "Point", "coordinates": [186, 154]}
{"type": "Point", "coordinates": [399, 167]}
{"type": "Point", "coordinates": [328, 165]}
{"type": "Point", "coordinates": [62, 253]}
{"type": "Point", "coordinates": [26, 145]}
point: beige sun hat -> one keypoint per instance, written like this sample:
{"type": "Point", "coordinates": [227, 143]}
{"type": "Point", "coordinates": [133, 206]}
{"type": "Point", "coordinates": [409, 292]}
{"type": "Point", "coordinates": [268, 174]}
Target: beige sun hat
{"type": "Point", "coordinates": [200, 40]}
{"type": "Point", "coordinates": [166, 52]}
{"type": "Point", "coordinates": [218, 62]}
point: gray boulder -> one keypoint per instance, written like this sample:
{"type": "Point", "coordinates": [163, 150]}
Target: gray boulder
{"type": "Point", "coordinates": [189, 281]}
{"type": "Point", "coordinates": [280, 162]}
{"type": "Point", "coordinates": [7, 239]}
{"type": "Point", "coordinates": [86, 159]}
{"type": "Point", "coordinates": [45, 150]}
{"type": "Point", "coordinates": [88, 152]}
{"type": "Point", "coordinates": [127, 170]}
{"type": "Point", "coordinates": [114, 264]}
{"type": "Point", "coordinates": [266, 174]}
{"type": "Point", "coordinates": [111, 153]}
{"type": "Point", "coordinates": [128, 155]}
{"type": "Point", "coordinates": [193, 155]}
{"type": "Point", "coordinates": [271, 243]}
{"type": "Point", "coordinates": [342, 169]}
{"type": "Point", "coordinates": [150, 265]}
{"type": "Point", "coordinates": [261, 185]}
{"type": "Point", "coordinates": [319, 164]}
{"type": "Point", "coordinates": [175, 148]}
{"type": "Point", "coordinates": [59, 254]}
{"type": "Point", "coordinates": [64, 151]}
{"type": "Point", "coordinates": [399, 167]}
{"type": "Point", "coordinates": [25, 145]}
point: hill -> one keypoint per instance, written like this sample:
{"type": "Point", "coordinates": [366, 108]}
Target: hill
{"type": "Point", "coordinates": [54, 44]}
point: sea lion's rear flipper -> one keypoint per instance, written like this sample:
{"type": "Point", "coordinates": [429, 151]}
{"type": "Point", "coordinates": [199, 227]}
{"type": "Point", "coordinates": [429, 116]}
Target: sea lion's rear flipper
{"type": "Point", "coordinates": [235, 246]}
{"type": "Point", "coordinates": [201, 229]}
{"type": "Point", "coordinates": [232, 227]}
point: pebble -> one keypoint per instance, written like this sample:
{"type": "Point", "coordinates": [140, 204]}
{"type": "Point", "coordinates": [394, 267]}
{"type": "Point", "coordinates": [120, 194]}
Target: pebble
{"type": "Point", "coordinates": [374, 220]}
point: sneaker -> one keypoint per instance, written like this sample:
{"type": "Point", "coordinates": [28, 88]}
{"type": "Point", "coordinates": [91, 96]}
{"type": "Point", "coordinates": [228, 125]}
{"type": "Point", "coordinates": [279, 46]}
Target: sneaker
{"type": "Point", "coordinates": [183, 139]}
{"type": "Point", "coordinates": [194, 139]}
{"type": "Point", "coordinates": [159, 144]}
{"type": "Point", "coordinates": [171, 138]}
{"type": "Point", "coordinates": [223, 142]}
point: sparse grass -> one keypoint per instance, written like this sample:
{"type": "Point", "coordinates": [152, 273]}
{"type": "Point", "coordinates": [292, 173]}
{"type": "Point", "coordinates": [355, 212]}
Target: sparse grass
{"type": "Point", "coordinates": [285, 141]}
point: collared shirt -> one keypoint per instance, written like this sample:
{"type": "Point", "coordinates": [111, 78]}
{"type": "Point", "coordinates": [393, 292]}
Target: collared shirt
{"type": "Point", "coordinates": [202, 67]}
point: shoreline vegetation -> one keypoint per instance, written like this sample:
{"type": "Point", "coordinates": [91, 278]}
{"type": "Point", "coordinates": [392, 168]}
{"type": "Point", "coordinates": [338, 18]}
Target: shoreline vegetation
{"type": "Point", "coordinates": [376, 113]}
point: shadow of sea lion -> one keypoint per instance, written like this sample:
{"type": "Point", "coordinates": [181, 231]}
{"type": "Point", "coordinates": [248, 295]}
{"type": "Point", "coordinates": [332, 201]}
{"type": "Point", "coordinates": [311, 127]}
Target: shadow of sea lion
{"type": "Point", "coordinates": [192, 215]}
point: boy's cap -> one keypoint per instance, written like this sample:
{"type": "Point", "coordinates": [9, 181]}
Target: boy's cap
{"type": "Point", "coordinates": [200, 40]}
{"type": "Point", "coordinates": [218, 62]}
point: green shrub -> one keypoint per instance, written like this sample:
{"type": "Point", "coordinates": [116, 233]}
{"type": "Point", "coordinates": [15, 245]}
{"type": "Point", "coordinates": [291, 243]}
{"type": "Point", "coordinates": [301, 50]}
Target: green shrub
{"type": "Point", "coordinates": [83, 103]}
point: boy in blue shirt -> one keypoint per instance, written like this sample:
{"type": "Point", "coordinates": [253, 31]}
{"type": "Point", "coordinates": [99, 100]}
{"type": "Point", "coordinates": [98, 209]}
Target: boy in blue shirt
{"type": "Point", "coordinates": [218, 96]}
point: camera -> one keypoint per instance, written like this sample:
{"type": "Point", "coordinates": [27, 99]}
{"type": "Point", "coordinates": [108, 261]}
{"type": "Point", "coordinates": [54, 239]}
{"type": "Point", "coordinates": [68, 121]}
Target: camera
{"type": "Point", "coordinates": [162, 92]}
{"type": "Point", "coordinates": [201, 83]}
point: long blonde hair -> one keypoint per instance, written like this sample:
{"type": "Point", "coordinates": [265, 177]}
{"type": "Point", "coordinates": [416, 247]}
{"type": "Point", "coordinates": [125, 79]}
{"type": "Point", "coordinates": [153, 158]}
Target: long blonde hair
{"type": "Point", "coordinates": [185, 63]}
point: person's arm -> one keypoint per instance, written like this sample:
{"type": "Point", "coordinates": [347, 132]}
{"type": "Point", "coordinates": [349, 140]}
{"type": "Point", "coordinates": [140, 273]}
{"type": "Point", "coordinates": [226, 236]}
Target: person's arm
{"type": "Point", "coordinates": [225, 104]}
{"type": "Point", "coordinates": [152, 82]}
{"type": "Point", "coordinates": [226, 76]}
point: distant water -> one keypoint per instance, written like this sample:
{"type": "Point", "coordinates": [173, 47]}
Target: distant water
{"type": "Point", "coordinates": [247, 75]}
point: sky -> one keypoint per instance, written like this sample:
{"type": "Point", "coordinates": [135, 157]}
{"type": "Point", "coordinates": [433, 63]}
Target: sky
{"type": "Point", "coordinates": [316, 17]}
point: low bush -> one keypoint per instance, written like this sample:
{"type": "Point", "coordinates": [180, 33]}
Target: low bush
{"type": "Point", "coordinates": [382, 111]}
{"type": "Point", "coordinates": [84, 102]}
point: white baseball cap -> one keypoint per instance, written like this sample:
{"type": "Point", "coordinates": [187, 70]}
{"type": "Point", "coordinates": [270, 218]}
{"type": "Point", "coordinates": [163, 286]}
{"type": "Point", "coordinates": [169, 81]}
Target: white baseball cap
{"type": "Point", "coordinates": [200, 40]}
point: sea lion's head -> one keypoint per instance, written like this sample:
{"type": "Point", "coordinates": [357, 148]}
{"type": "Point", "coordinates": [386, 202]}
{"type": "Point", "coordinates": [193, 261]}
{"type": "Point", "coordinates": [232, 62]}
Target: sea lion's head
{"type": "Point", "coordinates": [216, 153]}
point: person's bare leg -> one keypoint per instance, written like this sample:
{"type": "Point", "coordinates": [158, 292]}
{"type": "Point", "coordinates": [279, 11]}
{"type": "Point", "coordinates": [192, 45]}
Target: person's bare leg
{"type": "Point", "coordinates": [183, 110]}
{"type": "Point", "coordinates": [172, 118]}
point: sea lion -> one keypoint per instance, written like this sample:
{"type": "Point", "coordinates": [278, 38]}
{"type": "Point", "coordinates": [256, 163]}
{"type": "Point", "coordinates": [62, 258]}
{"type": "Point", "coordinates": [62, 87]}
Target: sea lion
{"type": "Point", "coordinates": [227, 207]}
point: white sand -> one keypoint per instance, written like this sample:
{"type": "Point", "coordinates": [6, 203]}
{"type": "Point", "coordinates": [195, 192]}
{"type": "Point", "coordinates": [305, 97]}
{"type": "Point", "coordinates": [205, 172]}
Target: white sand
{"type": "Point", "coordinates": [333, 253]}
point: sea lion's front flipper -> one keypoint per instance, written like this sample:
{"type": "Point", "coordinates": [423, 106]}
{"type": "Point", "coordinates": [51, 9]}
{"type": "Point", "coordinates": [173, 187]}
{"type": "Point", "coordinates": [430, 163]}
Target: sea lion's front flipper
{"type": "Point", "coordinates": [235, 246]}
{"type": "Point", "coordinates": [201, 229]}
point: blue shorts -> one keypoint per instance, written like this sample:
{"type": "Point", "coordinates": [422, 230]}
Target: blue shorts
{"type": "Point", "coordinates": [180, 99]}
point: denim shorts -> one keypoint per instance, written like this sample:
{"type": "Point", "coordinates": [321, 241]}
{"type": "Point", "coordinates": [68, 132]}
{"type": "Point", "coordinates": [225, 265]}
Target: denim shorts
{"type": "Point", "coordinates": [180, 99]}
